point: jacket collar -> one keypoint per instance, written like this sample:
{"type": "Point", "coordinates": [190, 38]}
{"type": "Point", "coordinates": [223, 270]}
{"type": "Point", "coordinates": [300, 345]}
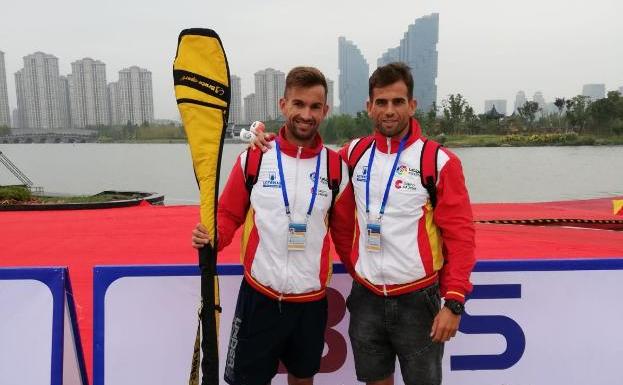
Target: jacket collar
{"type": "Point", "coordinates": [292, 149]}
{"type": "Point", "coordinates": [381, 140]}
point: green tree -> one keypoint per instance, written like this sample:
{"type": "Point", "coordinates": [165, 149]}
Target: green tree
{"type": "Point", "coordinates": [528, 112]}
{"type": "Point", "coordinates": [578, 112]}
{"type": "Point", "coordinates": [4, 131]}
{"type": "Point", "coordinates": [605, 111]}
{"type": "Point", "coordinates": [454, 112]}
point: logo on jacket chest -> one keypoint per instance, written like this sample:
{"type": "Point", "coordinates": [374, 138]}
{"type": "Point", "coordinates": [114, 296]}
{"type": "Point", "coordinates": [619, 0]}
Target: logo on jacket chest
{"type": "Point", "coordinates": [404, 170]}
{"type": "Point", "coordinates": [312, 178]}
{"type": "Point", "coordinates": [272, 180]}
{"type": "Point", "coordinates": [362, 175]}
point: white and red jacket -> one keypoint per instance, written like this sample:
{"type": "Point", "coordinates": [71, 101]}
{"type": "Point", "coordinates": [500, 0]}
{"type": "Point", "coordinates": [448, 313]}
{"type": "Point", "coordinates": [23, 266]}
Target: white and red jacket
{"type": "Point", "coordinates": [269, 267]}
{"type": "Point", "coordinates": [419, 245]}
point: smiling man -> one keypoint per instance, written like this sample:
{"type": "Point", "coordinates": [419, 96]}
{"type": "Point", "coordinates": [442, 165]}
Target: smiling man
{"type": "Point", "coordinates": [285, 198]}
{"type": "Point", "coordinates": [414, 241]}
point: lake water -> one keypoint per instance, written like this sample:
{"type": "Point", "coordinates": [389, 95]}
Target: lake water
{"type": "Point", "coordinates": [493, 174]}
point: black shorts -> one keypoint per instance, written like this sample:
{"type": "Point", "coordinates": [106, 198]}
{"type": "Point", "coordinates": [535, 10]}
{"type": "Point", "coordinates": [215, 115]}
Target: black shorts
{"type": "Point", "coordinates": [265, 332]}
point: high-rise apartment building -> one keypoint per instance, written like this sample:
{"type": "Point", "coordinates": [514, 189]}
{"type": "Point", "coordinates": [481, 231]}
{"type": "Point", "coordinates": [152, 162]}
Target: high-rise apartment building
{"type": "Point", "coordinates": [499, 104]}
{"type": "Point", "coordinates": [520, 100]}
{"type": "Point", "coordinates": [251, 113]}
{"type": "Point", "coordinates": [15, 115]}
{"type": "Point", "coordinates": [235, 110]}
{"type": "Point", "coordinates": [390, 56]}
{"type": "Point", "coordinates": [88, 92]}
{"type": "Point", "coordinates": [594, 91]}
{"type": "Point", "coordinates": [65, 102]}
{"type": "Point", "coordinates": [5, 112]}
{"type": "Point", "coordinates": [353, 77]}
{"type": "Point", "coordinates": [114, 104]}
{"type": "Point", "coordinates": [136, 96]}
{"type": "Point", "coordinates": [330, 84]}
{"type": "Point", "coordinates": [269, 86]}
{"type": "Point", "coordinates": [38, 92]}
{"type": "Point", "coordinates": [538, 97]}
{"type": "Point", "coordinates": [418, 49]}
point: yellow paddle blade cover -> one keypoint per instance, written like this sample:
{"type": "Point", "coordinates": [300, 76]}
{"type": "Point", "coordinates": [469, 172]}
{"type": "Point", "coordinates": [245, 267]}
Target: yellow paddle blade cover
{"type": "Point", "coordinates": [617, 206]}
{"type": "Point", "coordinates": [202, 89]}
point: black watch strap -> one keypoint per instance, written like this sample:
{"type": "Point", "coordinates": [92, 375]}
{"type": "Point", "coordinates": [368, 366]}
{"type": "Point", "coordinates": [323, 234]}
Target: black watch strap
{"type": "Point", "coordinates": [455, 306]}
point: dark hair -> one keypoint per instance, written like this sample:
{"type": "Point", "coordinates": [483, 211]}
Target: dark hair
{"type": "Point", "coordinates": [390, 74]}
{"type": "Point", "coordinates": [305, 77]}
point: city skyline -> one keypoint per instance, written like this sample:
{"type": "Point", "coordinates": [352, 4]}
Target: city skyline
{"type": "Point", "coordinates": [486, 50]}
{"type": "Point", "coordinates": [110, 109]}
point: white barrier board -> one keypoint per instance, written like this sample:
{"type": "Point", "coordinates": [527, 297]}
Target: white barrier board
{"type": "Point", "coordinates": [38, 345]}
{"type": "Point", "coordinates": [532, 322]}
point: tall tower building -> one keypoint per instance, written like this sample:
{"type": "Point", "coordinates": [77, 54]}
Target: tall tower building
{"type": "Point", "coordinates": [136, 96]}
{"type": "Point", "coordinates": [38, 87]}
{"type": "Point", "coordinates": [621, 90]}
{"type": "Point", "coordinates": [251, 113]}
{"type": "Point", "coordinates": [235, 112]}
{"type": "Point", "coordinates": [353, 77]}
{"type": "Point", "coordinates": [418, 49]}
{"type": "Point", "coordinates": [15, 114]}
{"type": "Point", "coordinates": [114, 104]}
{"type": "Point", "coordinates": [520, 100]}
{"type": "Point", "coordinates": [538, 97]}
{"type": "Point", "coordinates": [594, 91]}
{"type": "Point", "coordinates": [330, 94]}
{"type": "Point", "coordinates": [89, 93]}
{"type": "Point", "coordinates": [390, 56]}
{"type": "Point", "coordinates": [5, 112]}
{"type": "Point", "coordinates": [65, 102]}
{"type": "Point", "coordinates": [19, 117]}
{"type": "Point", "coordinates": [269, 87]}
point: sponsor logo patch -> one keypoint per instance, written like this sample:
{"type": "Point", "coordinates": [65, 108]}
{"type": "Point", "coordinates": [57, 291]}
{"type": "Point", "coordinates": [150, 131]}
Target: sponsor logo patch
{"type": "Point", "coordinates": [364, 174]}
{"type": "Point", "coordinates": [272, 180]}
{"type": "Point", "coordinates": [400, 184]}
{"type": "Point", "coordinates": [404, 170]}
{"type": "Point", "coordinates": [322, 179]}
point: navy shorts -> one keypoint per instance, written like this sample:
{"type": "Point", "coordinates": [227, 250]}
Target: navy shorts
{"type": "Point", "coordinates": [265, 332]}
{"type": "Point", "coordinates": [383, 328]}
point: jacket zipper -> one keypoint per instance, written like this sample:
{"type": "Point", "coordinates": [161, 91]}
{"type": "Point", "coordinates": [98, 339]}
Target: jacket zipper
{"type": "Point", "coordinates": [293, 208]}
{"type": "Point", "coordinates": [389, 150]}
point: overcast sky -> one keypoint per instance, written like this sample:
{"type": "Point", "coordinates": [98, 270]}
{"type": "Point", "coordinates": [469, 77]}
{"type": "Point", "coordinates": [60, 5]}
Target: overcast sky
{"type": "Point", "coordinates": [487, 49]}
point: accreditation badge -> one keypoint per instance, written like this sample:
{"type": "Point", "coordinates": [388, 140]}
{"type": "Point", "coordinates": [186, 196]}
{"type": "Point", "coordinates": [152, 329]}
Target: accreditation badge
{"type": "Point", "coordinates": [374, 237]}
{"type": "Point", "coordinates": [297, 233]}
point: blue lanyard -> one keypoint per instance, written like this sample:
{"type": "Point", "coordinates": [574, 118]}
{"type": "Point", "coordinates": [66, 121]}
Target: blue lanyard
{"type": "Point", "coordinates": [284, 192]}
{"type": "Point", "coordinates": [401, 147]}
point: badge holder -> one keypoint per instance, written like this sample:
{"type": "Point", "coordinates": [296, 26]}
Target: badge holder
{"type": "Point", "coordinates": [374, 237]}
{"type": "Point", "coordinates": [297, 233]}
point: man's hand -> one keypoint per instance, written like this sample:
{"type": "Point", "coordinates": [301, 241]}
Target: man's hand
{"type": "Point", "coordinates": [445, 325]}
{"type": "Point", "coordinates": [262, 139]}
{"type": "Point", "coordinates": [200, 236]}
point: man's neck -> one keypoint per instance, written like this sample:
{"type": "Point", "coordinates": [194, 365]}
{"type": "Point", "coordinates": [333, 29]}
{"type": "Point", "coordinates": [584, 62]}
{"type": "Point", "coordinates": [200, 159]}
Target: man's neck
{"type": "Point", "coordinates": [299, 142]}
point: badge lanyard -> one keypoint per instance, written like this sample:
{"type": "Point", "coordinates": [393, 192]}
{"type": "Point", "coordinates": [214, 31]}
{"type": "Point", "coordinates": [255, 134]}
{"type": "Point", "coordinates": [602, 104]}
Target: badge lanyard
{"type": "Point", "coordinates": [389, 182]}
{"type": "Point", "coordinates": [296, 231]}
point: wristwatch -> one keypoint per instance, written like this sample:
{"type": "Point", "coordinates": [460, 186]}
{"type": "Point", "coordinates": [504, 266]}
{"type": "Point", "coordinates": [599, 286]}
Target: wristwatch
{"type": "Point", "coordinates": [455, 306]}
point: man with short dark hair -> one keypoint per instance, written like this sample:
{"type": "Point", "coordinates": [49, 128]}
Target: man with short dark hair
{"type": "Point", "coordinates": [284, 204]}
{"type": "Point", "coordinates": [407, 253]}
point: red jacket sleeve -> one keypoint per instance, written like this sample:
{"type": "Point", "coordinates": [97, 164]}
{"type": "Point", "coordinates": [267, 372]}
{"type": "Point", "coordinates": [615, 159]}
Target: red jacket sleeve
{"type": "Point", "coordinates": [232, 206]}
{"type": "Point", "coordinates": [453, 216]}
{"type": "Point", "coordinates": [342, 221]}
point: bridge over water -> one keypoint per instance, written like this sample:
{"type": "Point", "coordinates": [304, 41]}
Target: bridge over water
{"type": "Point", "coordinates": [50, 136]}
